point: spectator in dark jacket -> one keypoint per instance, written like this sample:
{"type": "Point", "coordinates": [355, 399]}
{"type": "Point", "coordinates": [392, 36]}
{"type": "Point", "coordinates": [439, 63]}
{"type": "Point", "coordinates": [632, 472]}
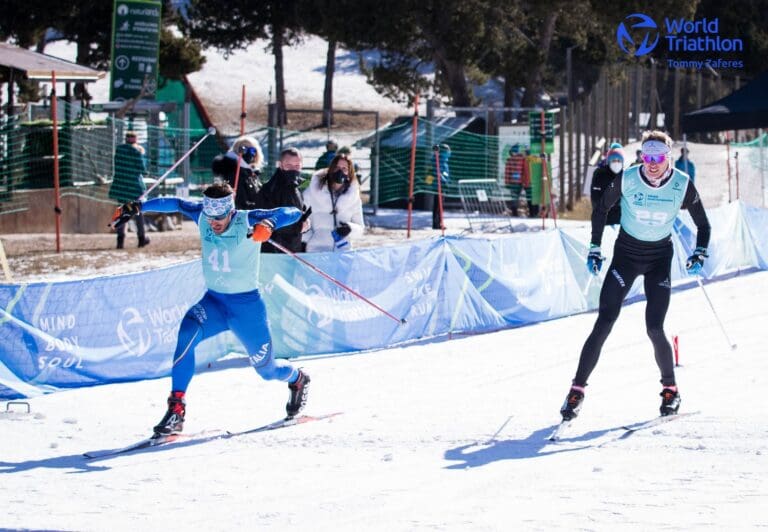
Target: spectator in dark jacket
{"type": "Point", "coordinates": [330, 152]}
{"type": "Point", "coordinates": [251, 160]}
{"type": "Point", "coordinates": [611, 168]}
{"type": "Point", "coordinates": [128, 184]}
{"type": "Point", "coordinates": [282, 190]}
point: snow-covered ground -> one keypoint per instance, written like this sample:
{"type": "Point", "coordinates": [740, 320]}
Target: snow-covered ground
{"type": "Point", "coordinates": [442, 435]}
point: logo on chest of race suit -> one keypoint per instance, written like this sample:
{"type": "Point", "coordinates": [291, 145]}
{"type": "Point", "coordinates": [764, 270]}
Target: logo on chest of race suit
{"type": "Point", "coordinates": [638, 199]}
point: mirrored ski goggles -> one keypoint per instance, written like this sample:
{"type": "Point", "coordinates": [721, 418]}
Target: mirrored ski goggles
{"type": "Point", "coordinates": [658, 159]}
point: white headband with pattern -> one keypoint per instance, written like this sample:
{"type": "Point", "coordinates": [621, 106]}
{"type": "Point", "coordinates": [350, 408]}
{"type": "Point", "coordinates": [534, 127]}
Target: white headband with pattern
{"type": "Point", "coordinates": [655, 147]}
{"type": "Point", "coordinates": [214, 207]}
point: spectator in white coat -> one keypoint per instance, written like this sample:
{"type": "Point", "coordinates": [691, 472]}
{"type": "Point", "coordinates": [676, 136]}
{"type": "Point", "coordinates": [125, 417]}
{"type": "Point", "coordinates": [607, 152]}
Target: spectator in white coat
{"type": "Point", "coordinates": [337, 210]}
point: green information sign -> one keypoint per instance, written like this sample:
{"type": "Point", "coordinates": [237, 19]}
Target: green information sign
{"type": "Point", "coordinates": [135, 45]}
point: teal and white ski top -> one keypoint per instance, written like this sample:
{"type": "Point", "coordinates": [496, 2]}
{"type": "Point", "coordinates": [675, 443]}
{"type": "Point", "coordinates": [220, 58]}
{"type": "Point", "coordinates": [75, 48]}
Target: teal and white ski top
{"type": "Point", "coordinates": [231, 259]}
{"type": "Point", "coordinates": [647, 213]}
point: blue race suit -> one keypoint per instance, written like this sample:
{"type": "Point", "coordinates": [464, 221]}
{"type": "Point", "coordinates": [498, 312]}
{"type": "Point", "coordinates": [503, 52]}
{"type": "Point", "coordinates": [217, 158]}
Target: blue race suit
{"type": "Point", "coordinates": [232, 301]}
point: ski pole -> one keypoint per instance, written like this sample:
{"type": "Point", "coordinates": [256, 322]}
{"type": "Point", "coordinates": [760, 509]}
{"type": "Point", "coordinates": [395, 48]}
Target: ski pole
{"type": "Point", "coordinates": [287, 251]}
{"type": "Point", "coordinates": [211, 131]}
{"type": "Point", "coordinates": [711, 306]}
{"type": "Point", "coordinates": [120, 218]}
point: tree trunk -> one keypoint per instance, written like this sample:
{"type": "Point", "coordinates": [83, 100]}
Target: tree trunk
{"type": "Point", "coordinates": [449, 68]}
{"type": "Point", "coordinates": [277, 50]}
{"type": "Point", "coordinates": [452, 74]}
{"type": "Point", "coordinates": [330, 68]}
{"type": "Point", "coordinates": [534, 79]}
{"type": "Point", "coordinates": [509, 97]}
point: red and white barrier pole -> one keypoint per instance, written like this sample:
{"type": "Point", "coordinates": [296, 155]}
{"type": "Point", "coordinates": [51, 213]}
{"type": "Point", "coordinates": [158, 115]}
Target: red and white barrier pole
{"type": "Point", "coordinates": [676, 350]}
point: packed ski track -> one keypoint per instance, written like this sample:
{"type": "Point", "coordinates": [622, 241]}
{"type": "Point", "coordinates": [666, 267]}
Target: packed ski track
{"type": "Point", "coordinates": [445, 434]}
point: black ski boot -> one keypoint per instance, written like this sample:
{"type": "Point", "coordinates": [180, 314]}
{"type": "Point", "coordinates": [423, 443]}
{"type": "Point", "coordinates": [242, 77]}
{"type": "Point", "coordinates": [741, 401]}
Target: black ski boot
{"type": "Point", "coordinates": [173, 420]}
{"type": "Point", "coordinates": [670, 402]}
{"type": "Point", "coordinates": [572, 404]}
{"type": "Point", "coordinates": [298, 395]}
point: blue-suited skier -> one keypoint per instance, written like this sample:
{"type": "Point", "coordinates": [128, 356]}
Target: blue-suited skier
{"type": "Point", "coordinates": [232, 302]}
{"type": "Point", "coordinates": [651, 195]}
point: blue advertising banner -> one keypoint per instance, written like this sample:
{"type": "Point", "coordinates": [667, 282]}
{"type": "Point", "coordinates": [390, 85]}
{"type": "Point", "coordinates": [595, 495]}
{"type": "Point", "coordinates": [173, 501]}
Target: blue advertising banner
{"type": "Point", "coordinates": [121, 328]}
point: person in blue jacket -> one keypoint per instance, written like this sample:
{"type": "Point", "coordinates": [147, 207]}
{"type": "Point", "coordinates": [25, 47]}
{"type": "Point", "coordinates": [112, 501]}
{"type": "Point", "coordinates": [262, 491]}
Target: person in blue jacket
{"type": "Point", "coordinates": [651, 196]}
{"type": "Point", "coordinates": [230, 258]}
{"type": "Point", "coordinates": [684, 164]}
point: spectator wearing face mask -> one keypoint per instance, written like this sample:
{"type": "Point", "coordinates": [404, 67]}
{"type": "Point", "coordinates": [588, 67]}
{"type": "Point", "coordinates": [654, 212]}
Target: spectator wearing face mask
{"type": "Point", "coordinates": [611, 168]}
{"type": "Point", "coordinates": [282, 190]}
{"type": "Point", "coordinates": [333, 197]}
{"type": "Point", "coordinates": [251, 160]}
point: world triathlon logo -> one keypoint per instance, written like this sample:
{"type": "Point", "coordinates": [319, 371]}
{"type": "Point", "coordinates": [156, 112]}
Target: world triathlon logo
{"type": "Point", "coordinates": [642, 31]}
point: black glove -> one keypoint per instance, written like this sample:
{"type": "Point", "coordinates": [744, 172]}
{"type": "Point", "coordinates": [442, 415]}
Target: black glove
{"type": "Point", "coordinates": [343, 229]}
{"type": "Point", "coordinates": [305, 215]}
{"type": "Point", "coordinates": [696, 261]}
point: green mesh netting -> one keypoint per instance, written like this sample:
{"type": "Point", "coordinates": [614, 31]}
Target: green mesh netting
{"type": "Point", "coordinates": [87, 163]}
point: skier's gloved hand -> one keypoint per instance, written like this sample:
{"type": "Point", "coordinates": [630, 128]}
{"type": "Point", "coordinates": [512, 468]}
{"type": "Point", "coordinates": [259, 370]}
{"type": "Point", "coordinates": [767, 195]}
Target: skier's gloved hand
{"type": "Point", "coordinates": [594, 259]}
{"type": "Point", "coordinates": [343, 229]}
{"type": "Point", "coordinates": [696, 261]}
{"type": "Point", "coordinates": [262, 231]}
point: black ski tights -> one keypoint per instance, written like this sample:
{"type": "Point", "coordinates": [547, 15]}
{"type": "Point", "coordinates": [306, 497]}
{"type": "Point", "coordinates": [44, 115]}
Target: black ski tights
{"type": "Point", "coordinates": [621, 274]}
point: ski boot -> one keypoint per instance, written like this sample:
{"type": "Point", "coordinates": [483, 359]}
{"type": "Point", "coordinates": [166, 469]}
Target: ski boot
{"type": "Point", "coordinates": [173, 420]}
{"type": "Point", "coordinates": [298, 395]}
{"type": "Point", "coordinates": [572, 404]}
{"type": "Point", "coordinates": [670, 402]}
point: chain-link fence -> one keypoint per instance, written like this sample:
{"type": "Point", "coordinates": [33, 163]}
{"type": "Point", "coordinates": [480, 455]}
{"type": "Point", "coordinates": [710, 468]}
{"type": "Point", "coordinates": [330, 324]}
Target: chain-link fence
{"type": "Point", "coordinates": [86, 156]}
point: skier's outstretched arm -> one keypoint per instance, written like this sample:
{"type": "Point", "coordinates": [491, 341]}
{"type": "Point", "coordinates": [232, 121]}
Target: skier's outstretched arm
{"type": "Point", "coordinates": [190, 209]}
{"type": "Point", "coordinates": [279, 217]}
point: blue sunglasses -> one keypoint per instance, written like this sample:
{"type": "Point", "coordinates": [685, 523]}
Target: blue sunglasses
{"type": "Point", "coordinates": [218, 218]}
